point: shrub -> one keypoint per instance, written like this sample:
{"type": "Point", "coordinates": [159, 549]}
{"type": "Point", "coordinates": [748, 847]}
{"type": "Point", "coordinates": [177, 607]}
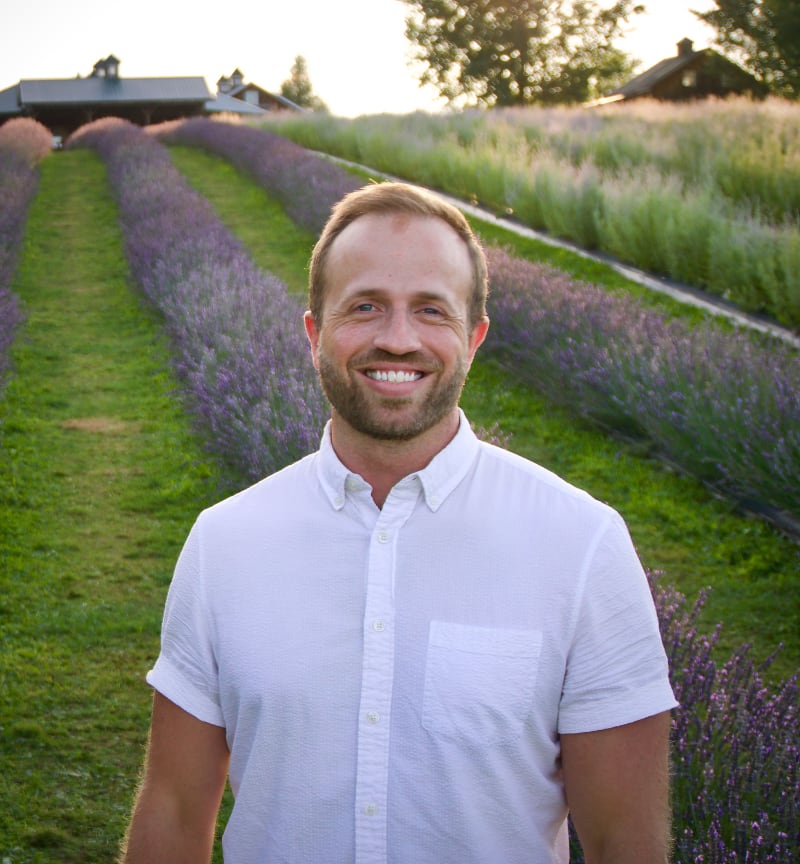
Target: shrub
{"type": "Point", "coordinates": [719, 403]}
{"type": "Point", "coordinates": [735, 740]}
{"type": "Point", "coordinates": [735, 750]}
{"type": "Point", "coordinates": [23, 144]}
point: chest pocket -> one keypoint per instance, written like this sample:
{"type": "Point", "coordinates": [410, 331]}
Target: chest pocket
{"type": "Point", "coordinates": [479, 681]}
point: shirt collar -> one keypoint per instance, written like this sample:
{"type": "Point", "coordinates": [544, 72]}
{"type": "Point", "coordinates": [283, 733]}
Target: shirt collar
{"type": "Point", "coordinates": [438, 478]}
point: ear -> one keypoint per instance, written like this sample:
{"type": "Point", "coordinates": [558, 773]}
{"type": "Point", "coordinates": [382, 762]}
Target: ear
{"type": "Point", "coordinates": [477, 336]}
{"type": "Point", "coordinates": [312, 332]}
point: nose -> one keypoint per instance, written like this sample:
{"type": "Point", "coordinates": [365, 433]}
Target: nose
{"type": "Point", "coordinates": [397, 333]}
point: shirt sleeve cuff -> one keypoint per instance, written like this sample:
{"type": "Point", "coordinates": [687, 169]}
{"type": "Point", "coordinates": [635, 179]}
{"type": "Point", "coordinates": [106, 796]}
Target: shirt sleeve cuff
{"type": "Point", "coordinates": [654, 699]}
{"type": "Point", "coordinates": [169, 681]}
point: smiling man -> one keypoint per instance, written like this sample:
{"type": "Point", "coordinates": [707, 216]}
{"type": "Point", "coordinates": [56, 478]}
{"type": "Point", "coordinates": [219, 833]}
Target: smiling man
{"type": "Point", "coordinates": [393, 334]}
{"type": "Point", "coordinates": [411, 646]}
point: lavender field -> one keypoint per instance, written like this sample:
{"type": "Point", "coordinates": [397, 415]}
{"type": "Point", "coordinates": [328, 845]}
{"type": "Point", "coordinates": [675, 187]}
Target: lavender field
{"type": "Point", "coordinates": [23, 144]}
{"type": "Point", "coordinates": [722, 404]}
{"type": "Point", "coordinates": [728, 403]}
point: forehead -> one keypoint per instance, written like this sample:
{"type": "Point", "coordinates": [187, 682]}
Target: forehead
{"type": "Point", "coordinates": [391, 247]}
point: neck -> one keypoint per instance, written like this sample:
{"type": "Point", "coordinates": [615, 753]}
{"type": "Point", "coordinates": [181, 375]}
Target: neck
{"type": "Point", "coordinates": [383, 463]}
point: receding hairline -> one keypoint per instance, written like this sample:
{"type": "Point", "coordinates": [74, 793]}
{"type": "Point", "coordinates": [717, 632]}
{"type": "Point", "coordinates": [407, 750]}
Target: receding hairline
{"type": "Point", "coordinates": [394, 198]}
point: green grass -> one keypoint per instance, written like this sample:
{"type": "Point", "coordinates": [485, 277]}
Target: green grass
{"type": "Point", "coordinates": [100, 478]}
{"type": "Point", "coordinates": [272, 239]}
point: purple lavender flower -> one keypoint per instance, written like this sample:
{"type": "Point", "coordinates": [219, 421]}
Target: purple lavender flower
{"type": "Point", "coordinates": [720, 403]}
{"type": "Point", "coordinates": [735, 746]}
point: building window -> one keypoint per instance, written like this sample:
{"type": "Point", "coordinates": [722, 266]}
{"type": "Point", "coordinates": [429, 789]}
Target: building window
{"type": "Point", "coordinates": [689, 78]}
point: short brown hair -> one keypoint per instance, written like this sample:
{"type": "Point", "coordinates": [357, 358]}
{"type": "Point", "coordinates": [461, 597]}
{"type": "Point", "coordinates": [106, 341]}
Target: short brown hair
{"type": "Point", "coordinates": [393, 197]}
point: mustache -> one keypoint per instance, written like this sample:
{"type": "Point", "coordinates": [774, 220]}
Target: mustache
{"type": "Point", "coordinates": [417, 359]}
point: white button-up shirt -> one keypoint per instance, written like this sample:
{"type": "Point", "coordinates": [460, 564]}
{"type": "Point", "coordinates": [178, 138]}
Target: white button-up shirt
{"type": "Point", "coordinates": [393, 682]}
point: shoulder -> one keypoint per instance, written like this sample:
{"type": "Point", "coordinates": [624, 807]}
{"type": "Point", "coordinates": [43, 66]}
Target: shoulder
{"type": "Point", "coordinates": [279, 492]}
{"type": "Point", "coordinates": [509, 473]}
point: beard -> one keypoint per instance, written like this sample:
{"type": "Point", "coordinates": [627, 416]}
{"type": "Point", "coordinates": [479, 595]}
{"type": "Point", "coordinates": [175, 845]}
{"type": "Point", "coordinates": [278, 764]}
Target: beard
{"type": "Point", "coordinates": [387, 418]}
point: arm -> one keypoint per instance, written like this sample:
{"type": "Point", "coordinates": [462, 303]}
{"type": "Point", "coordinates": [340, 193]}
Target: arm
{"type": "Point", "coordinates": [617, 787]}
{"type": "Point", "coordinates": [175, 814]}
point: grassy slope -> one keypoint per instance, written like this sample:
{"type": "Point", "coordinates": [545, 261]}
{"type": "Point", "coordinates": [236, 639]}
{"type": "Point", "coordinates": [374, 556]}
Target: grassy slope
{"type": "Point", "coordinates": [100, 478]}
{"type": "Point", "coordinates": [697, 540]}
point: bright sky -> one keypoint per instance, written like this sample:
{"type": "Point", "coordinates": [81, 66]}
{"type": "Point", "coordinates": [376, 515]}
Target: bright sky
{"type": "Point", "coordinates": [356, 50]}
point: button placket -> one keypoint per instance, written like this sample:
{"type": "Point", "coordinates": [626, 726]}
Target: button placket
{"type": "Point", "coordinates": [376, 696]}
{"type": "Point", "coordinates": [377, 678]}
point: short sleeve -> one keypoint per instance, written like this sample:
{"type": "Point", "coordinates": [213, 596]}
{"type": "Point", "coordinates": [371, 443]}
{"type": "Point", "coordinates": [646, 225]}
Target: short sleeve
{"type": "Point", "coordinates": [186, 669]}
{"type": "Point", "coordinates": [617, 668]}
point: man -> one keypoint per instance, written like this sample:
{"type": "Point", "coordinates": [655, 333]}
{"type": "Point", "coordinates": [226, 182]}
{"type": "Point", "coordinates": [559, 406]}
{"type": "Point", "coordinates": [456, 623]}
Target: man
{"type": "Point", "coordinates": [410, 646]}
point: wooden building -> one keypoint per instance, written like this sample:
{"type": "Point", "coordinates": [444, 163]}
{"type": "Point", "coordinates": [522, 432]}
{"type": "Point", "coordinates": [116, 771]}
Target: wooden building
{"type": "Point", "coordinates": [689, 75]}
{"type": "Point", "coordinates": [235, 87]}
{"type": "Point", "coordinates": [63, 105]}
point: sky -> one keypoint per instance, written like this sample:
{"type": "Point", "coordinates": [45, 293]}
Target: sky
{"type": "Point", "coordinates": [356, 52]}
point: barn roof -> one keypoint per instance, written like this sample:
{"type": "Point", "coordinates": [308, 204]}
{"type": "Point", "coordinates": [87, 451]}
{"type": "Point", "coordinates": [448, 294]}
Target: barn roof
{"type": "Point", "coordinates": [9, 100]}
{"type": "Point", "coordinates": [644, 83]}
{"type": "Point", "coordinates": [224, 102]}
{"type": "Point", "coordinates": [100, 91]}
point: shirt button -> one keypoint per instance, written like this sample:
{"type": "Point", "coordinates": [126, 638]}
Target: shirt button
{"type": "Point", "coordinates": [373, 717]}
{"type": "Point", "coordinates": [378, 626]}
{"type": "Point", "coordinates": [383, 537]}
{"type": "Point", "coordinates": [370, 809]}
{"type": "Point", "coordinates": [338, 501]}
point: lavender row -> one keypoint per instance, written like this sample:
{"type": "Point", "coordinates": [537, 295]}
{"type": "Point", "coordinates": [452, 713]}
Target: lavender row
{"type": "Point", "coordinates": [236, 335]}
{"type": "Point", "coordinates": [723, 404]}
{"type": "Point", "coordinates": [23, 144]}
{"type": "Point", "coordinates": [735, 750]}
{"type": "Point", "coordinates": [306, 185]}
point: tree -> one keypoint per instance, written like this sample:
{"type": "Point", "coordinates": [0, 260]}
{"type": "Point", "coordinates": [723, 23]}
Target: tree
{"type": "Point", "coordinates": [519, 52]}
{"type": "Point", "coordinates": [298, 87]}
{"type": "Point", "coordinates": [764, 35]}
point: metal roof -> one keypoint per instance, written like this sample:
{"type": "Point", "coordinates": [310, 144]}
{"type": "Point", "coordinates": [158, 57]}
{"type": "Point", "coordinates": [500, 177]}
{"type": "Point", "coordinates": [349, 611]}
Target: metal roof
{"type": "Point", "coordinates": [223, 102]}
{"type": "Point", "coordinates": [9, 100]}
{"type": "Point", "coordinates": [100, 91]}
{"type": "Point", "coordinates": [276, 97]}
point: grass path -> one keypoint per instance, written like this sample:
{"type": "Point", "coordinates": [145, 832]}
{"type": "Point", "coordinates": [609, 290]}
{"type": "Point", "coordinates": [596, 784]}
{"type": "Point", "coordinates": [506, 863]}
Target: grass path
{"type": "Point", "coordinates": [100, 478]}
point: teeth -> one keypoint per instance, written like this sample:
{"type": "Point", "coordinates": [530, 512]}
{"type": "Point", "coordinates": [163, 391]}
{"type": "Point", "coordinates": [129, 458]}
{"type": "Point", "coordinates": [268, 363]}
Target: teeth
{"type": "Point", "coordinates": [394, 376]}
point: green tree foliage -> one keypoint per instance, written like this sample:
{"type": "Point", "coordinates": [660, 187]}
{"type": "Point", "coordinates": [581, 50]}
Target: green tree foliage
{"type": "Point", "coordinates": [519, 52]}
{"type": "Point", "coordinates": [765, 36]}
{"type": "Point", "coordinates": [297, 87]}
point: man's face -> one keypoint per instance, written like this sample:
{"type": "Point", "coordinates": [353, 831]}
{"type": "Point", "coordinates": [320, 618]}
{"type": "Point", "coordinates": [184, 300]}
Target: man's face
{"type": "Point", "coordinates": [395, 344]}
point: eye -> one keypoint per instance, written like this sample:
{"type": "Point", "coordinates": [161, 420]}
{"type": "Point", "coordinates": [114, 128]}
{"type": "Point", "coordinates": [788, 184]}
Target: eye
{"type": "Point", "coordinates": [365, 307]}
{"type": "Point", "coordinates": [430, 310]}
